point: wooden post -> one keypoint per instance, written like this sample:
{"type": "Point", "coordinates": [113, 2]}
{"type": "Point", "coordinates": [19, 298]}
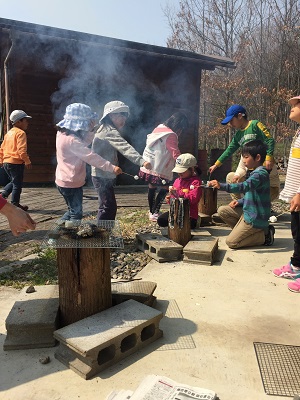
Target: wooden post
{"type": "Point", "coordinates": [84, 282]}
{"type": "Point", "coordinates": [180, 234]}
{"type": "Point", "coordinates": [208, 201]}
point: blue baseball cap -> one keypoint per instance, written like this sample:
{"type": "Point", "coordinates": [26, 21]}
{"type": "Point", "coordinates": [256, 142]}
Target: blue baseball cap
{"type": "Point", "coordinates": [232, 112]}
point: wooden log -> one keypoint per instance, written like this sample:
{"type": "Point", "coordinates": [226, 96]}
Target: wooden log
{"type": "Point", "coordinates": [84, 282]}
{"type": "Point", "coordinates": [208, 201]}
{"type": "Point", "coordinates": [181, 232]}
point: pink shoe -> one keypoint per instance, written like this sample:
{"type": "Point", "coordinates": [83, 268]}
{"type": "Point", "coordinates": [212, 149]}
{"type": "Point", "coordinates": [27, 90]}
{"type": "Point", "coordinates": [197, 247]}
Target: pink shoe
{"type": "Point", "coordinates": [286, 271]}
{"type": "Point", "coordinates": [294, 286]}
{"type": "Point", "coordinates": [153, 217]}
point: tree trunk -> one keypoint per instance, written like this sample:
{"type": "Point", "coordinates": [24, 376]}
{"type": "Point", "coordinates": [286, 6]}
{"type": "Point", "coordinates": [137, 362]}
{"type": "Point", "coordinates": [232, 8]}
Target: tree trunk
{"type": "Point", "coordinates": [181, 233]}
{"type": "Point", "coordinates": [208, 201]}
{"type": "Point", "coordinates": [84, 282]}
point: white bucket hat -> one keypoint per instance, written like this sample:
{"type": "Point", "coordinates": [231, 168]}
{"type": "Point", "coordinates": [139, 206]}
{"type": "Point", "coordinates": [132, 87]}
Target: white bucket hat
{"type": "Point", "coordinates": [114, 107]}
{"type": "Point", "coordinates": [78, 117]}
{"type": "Point", "coordinates": [184, 162]}
{"type": "Point", "coordinates": [16, 115]}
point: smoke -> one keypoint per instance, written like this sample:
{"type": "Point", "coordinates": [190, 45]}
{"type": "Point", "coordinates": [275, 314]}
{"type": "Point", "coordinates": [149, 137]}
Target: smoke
{"type": "Point", "coordinates": [94, 73]}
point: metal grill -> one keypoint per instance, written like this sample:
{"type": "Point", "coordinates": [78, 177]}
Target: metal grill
{"type": "Point", "coordinates": [279, 367]}
{"type": "Point", "coordinates": [59, 237]}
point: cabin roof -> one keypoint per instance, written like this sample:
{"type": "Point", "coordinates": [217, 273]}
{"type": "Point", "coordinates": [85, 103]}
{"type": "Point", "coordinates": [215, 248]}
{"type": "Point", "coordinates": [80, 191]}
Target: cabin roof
{"type": "Point", "coordinates": [206, 61]}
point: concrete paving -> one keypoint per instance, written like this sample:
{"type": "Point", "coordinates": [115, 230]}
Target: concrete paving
{"type": "Point", "coordinates": [213, 314]}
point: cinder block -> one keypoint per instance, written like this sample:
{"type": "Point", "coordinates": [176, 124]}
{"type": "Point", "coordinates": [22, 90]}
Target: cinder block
{"type": "Point", "coordinates": [201, 250]}
{"type": "Point", "coordinates": [140, 291]}
{"type": "Point", "coordinates": [199, 232]}
{"type": "Point", "coordinates": [205, 219]}
{"type": "Point", "coordinates": [158, 247]}
{"type": "Point", "coordinates": [94, 343]}
{"type": "Point", "coordinates": [33, 319]}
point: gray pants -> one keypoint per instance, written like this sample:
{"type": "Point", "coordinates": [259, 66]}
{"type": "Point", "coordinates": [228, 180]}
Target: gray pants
{"type": "Point", "coordinates": [242, 234]}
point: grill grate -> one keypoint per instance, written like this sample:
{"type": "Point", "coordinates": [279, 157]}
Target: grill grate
{"type": "Point", "coordinates": [279, 367]}
{"type": "Point", "coordinates": [58, 237]}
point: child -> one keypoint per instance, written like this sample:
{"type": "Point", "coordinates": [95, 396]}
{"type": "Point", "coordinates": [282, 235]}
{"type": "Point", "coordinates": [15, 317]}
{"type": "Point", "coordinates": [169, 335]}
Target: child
{"type": "Point", "coordinates": [107, 142]}
{"type": "Point", "coordinates": [14, 157]}
{"type": "Point", "coordinates": [188, 186]}
{"type": "Point", "coordinates": [248, 217]}
{"type": "Point", "coordinates": [72, 151]}
{"type": "Point", "coordinates": [161, 151]}
{"type": "Point", "coordinates": [236, 116]}
{"type": "Point", "coordinates": [19, 221]}
{"type": "Point", "coordinates": [291, 194]}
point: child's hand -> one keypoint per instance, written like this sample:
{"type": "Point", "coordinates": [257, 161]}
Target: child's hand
{"type": "Point", "coordinates": [147, 165]}
{"type": "Point", "coordinates": [117, 171]}
{"type": "Point", "coordinates": [212, 168]}
{"type": "Point", "coordinates": [172, 190]}
{"type": "Point", "coordinates": [295, 203]}
{"type": "Point", "coordinates": [233, 203]}
{"type": "Point", "coordinates": [215, 184]}
{"type": "Point", "coordinates": [167, 198]}
{"type": "Point", "coordinates": [235, 179]}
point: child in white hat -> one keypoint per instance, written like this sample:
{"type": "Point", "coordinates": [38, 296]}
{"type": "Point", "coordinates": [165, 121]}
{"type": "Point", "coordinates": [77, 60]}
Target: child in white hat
{"type": "Point", "coordinates": [14, 157]}
{"type": "Point", "coordinates": [187, 186]}
{"type": "Point", "coordinates": [108, 142]}
{"type": "Point", "coordinates": [72, 140]}
{"type": "Point", "coordinates": [291, 194]}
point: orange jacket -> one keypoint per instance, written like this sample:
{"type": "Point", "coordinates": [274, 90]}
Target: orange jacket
{"type": "Point", "coordinates": [14, 147]}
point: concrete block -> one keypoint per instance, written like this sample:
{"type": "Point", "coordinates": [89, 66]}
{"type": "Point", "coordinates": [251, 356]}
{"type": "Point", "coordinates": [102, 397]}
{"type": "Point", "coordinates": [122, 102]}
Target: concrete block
{"type": "Point", "coordinates": [33, 319]}
{"type": "Point", "coordinates": [199, 232]}
{"type": "Point", "coordinates": [205, 219]}
{"type": "Point", "coordinates": [94, 343]}
{"type": "Point", "coordinates": [158, 247]}
{"type": "Point", "coordinates": [140, 291]}
{"type": "Point", "coordinates": [201, 250]}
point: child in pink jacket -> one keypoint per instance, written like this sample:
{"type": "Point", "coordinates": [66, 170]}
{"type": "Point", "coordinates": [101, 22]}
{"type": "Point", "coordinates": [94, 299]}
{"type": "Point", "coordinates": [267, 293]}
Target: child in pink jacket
{"type": "Point", "coordinates": [187, 186]}
{"type": "Point", "coordinates": [72, 152]}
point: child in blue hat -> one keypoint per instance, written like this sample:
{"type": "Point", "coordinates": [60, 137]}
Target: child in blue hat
{"type": "Point", "coordinates": [246, 131]}
{"type": "Point", "coordinates": [73, 152]}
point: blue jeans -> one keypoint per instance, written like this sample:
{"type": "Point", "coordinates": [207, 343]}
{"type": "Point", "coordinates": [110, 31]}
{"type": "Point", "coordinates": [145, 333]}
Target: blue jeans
{"type": "Point", "coordinates": [106, 196]}
{"type": "Point", "coordinates": [73, 198]}
{"type": "Point", "coordinates": [14, 187]}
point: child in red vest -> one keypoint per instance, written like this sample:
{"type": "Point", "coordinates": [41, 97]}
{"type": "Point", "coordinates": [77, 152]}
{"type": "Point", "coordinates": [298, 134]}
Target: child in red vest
{"type": "Point", "coordinates": [187, 186]}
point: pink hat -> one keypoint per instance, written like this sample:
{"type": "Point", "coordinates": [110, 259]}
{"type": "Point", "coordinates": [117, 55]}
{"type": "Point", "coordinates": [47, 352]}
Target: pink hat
{"type": "Point", "coordinates": [294, 100]}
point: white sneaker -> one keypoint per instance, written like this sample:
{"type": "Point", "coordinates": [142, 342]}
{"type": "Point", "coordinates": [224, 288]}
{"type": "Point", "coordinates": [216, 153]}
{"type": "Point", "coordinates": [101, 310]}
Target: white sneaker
{"type": "Point", "coordinates": [153, 217]}
{"type": "Point", "coordinates": [72, 224]}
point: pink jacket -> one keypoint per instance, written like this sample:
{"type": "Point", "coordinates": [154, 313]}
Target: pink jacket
{"type": "Point", "coordinates": [194, 195]}
{"type": "Point", "coordinates": [72, 155]}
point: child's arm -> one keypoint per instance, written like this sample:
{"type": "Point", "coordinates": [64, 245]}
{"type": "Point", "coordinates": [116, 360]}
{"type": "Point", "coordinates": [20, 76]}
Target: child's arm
{"type": "Point", "coordinates": [172, 145]}
{"type": "Point", "coordinates": [193, 193]}
{"type": "Point", "coordinates": [269, 140]}
{"type": "Point", "coordinates": [232, 148]}
{"type": "Point", "coordinates": [87, 155]}
{"type": "Point", "coordinates": [254, 180]}
{"type": "Point", "coordinates": [121, 145]}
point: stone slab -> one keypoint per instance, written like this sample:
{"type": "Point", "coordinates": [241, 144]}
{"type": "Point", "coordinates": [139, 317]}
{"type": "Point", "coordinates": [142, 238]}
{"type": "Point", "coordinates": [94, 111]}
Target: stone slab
{"type": "Point", "coordinates": [201, 250]}
{"type": "Point", "coordinates": [33, 319]}
{"type": "Point", "coordinates": [140, 291]}
{"type": "Point", "coordinates": [205, 219]}
{"type": "Point", "coordinates": [94, 343]}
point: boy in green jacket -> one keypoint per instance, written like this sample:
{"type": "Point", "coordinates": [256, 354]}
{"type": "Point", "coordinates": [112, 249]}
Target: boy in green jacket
{"type": "Point", "coordinates": [246, 131]}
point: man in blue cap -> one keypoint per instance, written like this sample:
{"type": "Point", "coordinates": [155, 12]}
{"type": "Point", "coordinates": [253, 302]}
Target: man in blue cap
{"type": "Point", "coordinates": [246, 131]}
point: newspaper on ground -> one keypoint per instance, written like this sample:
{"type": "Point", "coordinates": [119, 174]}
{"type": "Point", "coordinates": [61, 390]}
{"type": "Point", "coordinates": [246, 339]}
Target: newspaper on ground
{"type": "Point", "coordinates": [156, 387]}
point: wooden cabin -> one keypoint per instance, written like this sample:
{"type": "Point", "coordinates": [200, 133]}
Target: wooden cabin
{"type": "Point", "coordinates": [44, 69]}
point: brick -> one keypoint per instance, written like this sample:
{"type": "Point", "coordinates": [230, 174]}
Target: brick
{"type": "Point", "coordinates": [141, 291]}
{"type": "Point", "coordinates": [205, 219]}
{"type": "Point", "coordinates": [101, 340]}
{"type": "Point", "coordinates": [158, 247]}
{"type": "Point", "coordinates": [33, 319]}
{"type": "Point", "coordinates": [201, 250]}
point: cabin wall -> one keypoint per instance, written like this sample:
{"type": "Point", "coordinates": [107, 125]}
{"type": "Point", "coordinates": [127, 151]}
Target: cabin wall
{"type": "Point", "coordinates": [47, 74]}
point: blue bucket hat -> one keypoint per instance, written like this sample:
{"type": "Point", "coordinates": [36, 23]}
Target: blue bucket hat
{"type": "Point", "coordinates": [78, 117]}
{"type": "Point", "coordinates": [232, 112]}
